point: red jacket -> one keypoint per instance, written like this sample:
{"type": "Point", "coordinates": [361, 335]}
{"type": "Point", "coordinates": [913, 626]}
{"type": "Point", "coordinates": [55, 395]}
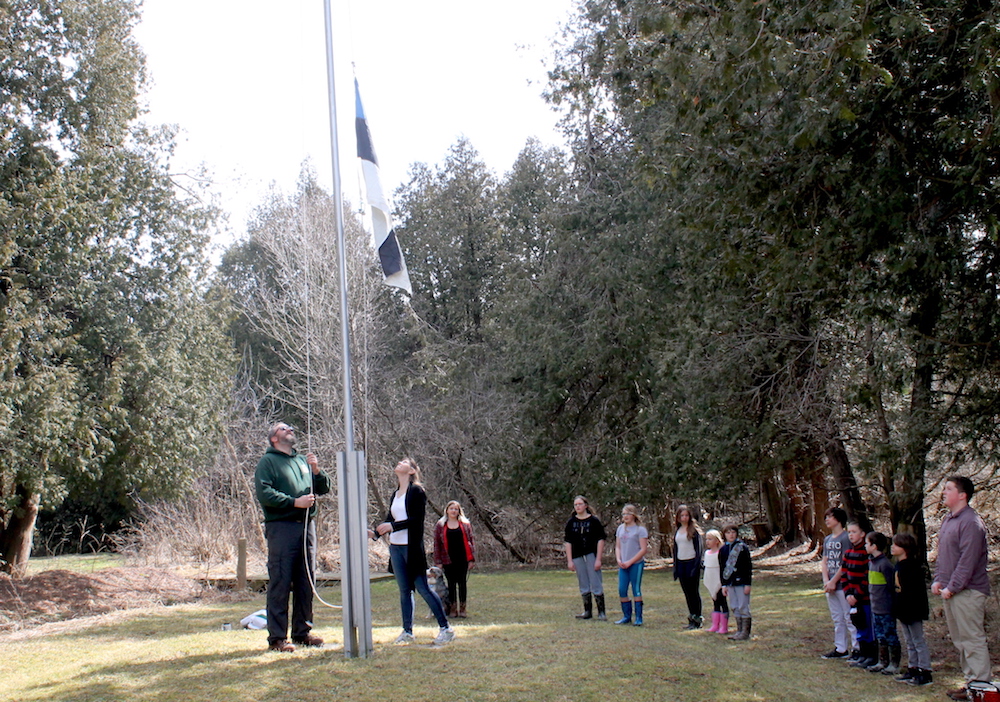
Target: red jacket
{"type": "Point", "coordinates": [441, 556]}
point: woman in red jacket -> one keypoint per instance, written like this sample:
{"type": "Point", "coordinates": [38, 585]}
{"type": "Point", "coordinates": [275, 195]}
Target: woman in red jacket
{"type": "Point", "coordinates": [455, 553]}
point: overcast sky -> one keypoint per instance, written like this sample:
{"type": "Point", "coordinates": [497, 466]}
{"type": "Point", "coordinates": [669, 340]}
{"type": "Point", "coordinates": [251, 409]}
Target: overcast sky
{"type": "Point", "coordinates": [246, 82]}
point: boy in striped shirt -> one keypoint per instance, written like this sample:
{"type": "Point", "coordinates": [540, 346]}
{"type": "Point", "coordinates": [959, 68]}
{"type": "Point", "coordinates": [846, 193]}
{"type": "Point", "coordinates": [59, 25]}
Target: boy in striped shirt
{"type": "Point", "coordinates": [855, 567]}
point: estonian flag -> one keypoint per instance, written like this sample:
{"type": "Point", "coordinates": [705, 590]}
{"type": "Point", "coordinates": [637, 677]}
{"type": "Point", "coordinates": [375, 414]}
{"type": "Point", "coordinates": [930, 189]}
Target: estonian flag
{"type": "Point", "coordinates": [393, 266]}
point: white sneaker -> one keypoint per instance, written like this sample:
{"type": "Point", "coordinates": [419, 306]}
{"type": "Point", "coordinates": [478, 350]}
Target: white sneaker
{"type": "Point", "coordinates": [444, 636]}
{"type": "Point", "coordinates": [404, 638]}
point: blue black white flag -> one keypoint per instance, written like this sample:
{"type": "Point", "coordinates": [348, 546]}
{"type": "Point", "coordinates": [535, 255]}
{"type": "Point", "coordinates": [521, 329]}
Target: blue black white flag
{"type": "Point", "coordinates": [393, 266]}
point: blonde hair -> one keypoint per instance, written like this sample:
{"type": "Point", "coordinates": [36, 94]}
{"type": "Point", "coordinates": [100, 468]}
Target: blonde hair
{"type": "Point", "coordinates": [714, 534]}
{"type": "Point", "coordinates": [461, 512]}
{"type": "Point", "coordinates": [631, 509]}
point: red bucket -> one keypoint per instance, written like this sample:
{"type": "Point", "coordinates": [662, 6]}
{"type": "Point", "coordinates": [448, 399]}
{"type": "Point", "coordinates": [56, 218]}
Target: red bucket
{"type": "Point", "coordinates": [983, 692]}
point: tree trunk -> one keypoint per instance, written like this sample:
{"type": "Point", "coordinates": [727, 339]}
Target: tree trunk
{"type": "Point", "coordinates": [16, 536]}
{"type": "Point", "coordinates": [847, 485]}
{"type": "Point", "coordinates": [906, 501]}
{"type": "Point", "coordinates": [774, 506]}
{"type": "Point", "coordinates": [820, 502]}
{"type": "Point", "coordinates": [665, 523]}
{"type": "Point", "coordinates": [485, 516]}
{"type": "Point", "coordinates": [796, 510]}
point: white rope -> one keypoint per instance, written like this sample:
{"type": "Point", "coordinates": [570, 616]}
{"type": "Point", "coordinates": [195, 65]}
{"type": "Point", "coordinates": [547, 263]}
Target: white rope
{"type": "Point", "coordinates": [306, 230]}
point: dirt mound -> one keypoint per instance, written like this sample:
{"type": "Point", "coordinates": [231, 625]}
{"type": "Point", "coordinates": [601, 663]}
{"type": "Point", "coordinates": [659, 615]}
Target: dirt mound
{"type": "Point", "coordinates": [61, 594]}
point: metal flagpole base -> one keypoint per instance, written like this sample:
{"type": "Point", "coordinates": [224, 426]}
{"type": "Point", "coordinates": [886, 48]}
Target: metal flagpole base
{"type": "Point", "coordinates": [352, 483]}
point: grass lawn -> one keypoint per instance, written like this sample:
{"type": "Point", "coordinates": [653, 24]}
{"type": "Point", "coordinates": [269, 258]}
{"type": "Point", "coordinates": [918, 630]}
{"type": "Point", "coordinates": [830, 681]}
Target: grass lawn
{"type": "Point", "coordinates": [77, 563]}
{"type": "Point", "coordinates": [521, 642]}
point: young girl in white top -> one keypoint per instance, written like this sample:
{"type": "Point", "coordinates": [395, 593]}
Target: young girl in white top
{"type": "Point", "coordinates": [713, 582]}
{"type": "Point", "coordinates": [631, 544]}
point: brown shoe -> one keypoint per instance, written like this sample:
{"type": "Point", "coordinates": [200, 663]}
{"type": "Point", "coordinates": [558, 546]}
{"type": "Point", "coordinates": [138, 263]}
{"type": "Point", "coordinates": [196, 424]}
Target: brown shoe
{"type": "Point", "coordinates": [309, 640]}
{"type": "Point", "coordinates": [282, 646]}
{"type": "Point", "coordinates": [958, 693]}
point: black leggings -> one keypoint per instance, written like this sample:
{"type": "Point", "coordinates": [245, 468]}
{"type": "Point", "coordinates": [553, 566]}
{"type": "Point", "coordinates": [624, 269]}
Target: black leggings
{"type": "Point", "coordinates": [457, 575]}
{"type": "Point", "coordinates": [690, 587]}
{"type": "Point", "coordinates": [719, 604]}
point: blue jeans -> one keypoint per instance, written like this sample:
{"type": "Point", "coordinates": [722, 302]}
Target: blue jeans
{"type": "Point", "coordinates": [630, 576]}
{"type": "Point", "coordinates": [398, 556]}
{"type": "Point", "coordinates": [861, 617]}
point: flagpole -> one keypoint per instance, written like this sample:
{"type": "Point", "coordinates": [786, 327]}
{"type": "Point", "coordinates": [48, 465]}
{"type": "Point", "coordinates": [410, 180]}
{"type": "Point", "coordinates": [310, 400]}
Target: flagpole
{"type": "Point", "coordinates": [352, 485]}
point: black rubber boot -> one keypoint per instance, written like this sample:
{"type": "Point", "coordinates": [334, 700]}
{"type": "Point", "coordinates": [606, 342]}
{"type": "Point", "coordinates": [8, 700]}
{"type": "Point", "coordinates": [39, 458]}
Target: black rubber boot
{"type": "Point", "coordinates": [588, 608]}
{"type": "Point", "coordinates": [883, 659]}
{"type": "Point", "coordinates": [895, 653]}
{"type": "Point", "coordinates": [601, 614]}
{"type": "Point", "coordinates": [742, 629]}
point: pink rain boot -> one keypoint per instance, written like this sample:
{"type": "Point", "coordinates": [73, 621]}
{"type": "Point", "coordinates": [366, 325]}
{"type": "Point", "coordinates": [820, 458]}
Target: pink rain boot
{"type": "Point", "coordinates": [715, 622]}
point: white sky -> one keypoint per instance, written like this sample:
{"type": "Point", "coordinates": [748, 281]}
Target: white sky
{"type": "Point", "coordinates": [246, 82]}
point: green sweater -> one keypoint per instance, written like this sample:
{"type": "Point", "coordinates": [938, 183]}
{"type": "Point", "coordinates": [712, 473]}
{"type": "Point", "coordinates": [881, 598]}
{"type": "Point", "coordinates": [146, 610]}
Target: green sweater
{"type": "Point", "coordinates": [280, 478]}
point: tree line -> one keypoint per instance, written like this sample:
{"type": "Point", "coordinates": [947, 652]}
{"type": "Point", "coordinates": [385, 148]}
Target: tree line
{"type": "Point", "coordinates": [762, 274]}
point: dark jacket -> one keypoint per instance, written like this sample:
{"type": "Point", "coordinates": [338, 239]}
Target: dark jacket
{"type": "Point", "coordinates": [910, 604]}
{"type": "Point", "coordinates": [280, 478]}
{"type": "Point", "coordinates": [441, 555]}
{"type": "Point", "coordinates": [416, 509]}
{"type": "Point", "coordinates": [743, 573]}
{"type": "Point", "coordinates": [689, 568]}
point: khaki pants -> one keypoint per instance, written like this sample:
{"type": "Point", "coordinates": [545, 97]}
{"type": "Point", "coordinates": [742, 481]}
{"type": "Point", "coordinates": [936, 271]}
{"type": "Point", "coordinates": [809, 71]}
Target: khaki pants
{"type": "Point", "coordinates": [966, 612]}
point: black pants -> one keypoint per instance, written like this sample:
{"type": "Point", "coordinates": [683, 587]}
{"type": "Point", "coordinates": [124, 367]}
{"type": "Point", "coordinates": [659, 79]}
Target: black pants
{"type": "Point", "coordinates": [457, 575]}
{"type": "Point", "coordinates": [719, 603]}
{"type": "Point", "coordinates": [287, 575]}
{"type": "Point", "coordinates": [689, 584]}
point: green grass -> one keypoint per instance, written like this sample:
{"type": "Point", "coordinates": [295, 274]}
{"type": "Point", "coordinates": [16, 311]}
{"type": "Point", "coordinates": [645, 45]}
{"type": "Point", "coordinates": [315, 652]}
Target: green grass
{"type": "Point", "coordinates": [77, 563]}
{"type": "Point", "coordinates": [521, 642]}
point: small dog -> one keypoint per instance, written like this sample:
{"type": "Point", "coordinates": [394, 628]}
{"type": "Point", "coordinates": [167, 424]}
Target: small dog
{"type": "Point", "coordinates": [435, 578]}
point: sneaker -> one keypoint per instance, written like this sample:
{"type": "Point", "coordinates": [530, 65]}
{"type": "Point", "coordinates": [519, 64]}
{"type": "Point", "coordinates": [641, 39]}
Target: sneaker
{"type": "Point", "coordinates": [404, 638]}
{"type": "Point", "coordinates": [907, 675]}
{"type": "Point", "coordinates": [835, 654]}
{"type": "Point", "coordinates": [281, 646]}
{"type": "Point", "coordinates": [444, 636]}
{"type": "Point", "coordinates": [922, 678]}
{"type": "Point", "coordinates": [309, 640]}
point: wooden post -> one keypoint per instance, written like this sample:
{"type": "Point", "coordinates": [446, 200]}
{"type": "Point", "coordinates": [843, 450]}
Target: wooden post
{"type": "Point", "coordinates": [241, 565]}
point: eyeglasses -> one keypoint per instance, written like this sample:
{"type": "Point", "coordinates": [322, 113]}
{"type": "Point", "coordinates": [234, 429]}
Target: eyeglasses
{"type": "Point", "coordinates": [286, 429]}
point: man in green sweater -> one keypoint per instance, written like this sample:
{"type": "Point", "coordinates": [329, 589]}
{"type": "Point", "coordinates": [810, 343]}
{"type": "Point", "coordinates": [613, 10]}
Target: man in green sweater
{"type": "Point", "coordinates": [287, 485]}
